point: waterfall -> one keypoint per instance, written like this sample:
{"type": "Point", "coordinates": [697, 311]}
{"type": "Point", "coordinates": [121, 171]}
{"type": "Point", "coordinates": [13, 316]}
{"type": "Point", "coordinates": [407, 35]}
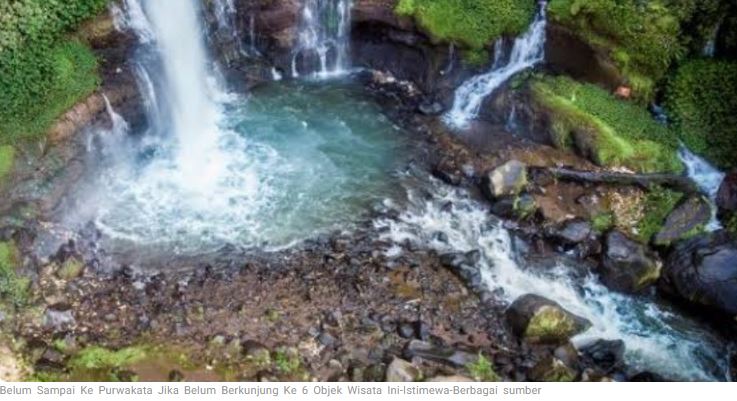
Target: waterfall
{"type": "Point", "coordinates": [656, 338]}
{"type": "Point", "coordinates": [323, 39]}
{"type": "Point", "coordinates": [528, 50]}
{"type": "Point", "coordinates": [131, 16]}
{"type": "Point", "coordinates": [707, 177]}
{"type": "Point", "coordinates": [226, 15]}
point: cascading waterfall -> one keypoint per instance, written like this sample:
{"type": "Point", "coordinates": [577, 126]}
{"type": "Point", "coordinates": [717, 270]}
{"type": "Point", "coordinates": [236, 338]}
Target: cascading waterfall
{"type": "Point", "coordinates": [707, 177]}
{"type": "Point", "coordinates": [131, 16]}
{"type": "Point", "coordinates": [528, 50]}
{"type": "Point", "coordinates": [323, 40]}
{"type": "Point", "coordinates": [656, 339]}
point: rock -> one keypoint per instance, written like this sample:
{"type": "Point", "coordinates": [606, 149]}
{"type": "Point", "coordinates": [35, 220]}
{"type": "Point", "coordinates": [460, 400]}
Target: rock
{"type": "Point", "coordinates": [451, 379]}
{"type": "Point", "coordinates": [430, 108]}
{"type": "Point", "coordinates": [727, 195]}
{"type": "Point", "coordinates": [703, 272]}
{"type": "Point", "coordinates": [539, 320]}
{"type": "Point", "coordinates": [647, 377]}
{"type": "Point", "coordinates": [605, 354]}
{"type": "Point", "coordinates": [176, 376]}
{"type": "Point", "coordinates": [400, 370]}
{"type": "Point", "coordinates": [628, 266]}
{"type": "Point", "coordinates": [567, 354]}
{"type": "Point", "coordinates": [624, 92]}
{"type": "Point", "coordinates": [11, 368]}
{"type": "Point", "coordinates": [406, 330]}
{"type": "Point", "coordinates": [447, 355]}
{"type": "Point", "coordinates": [551, 369]}
{"type": "Point", "coordinates": [508, 179]}
{"type": "Point", "coordinates": [464, 265]}
{"type": "Point", "coordinates": [514, 207]}
{"type": "Point", "coordinates": [573, 232]}
{"type": "Point", "coordinates": [58, 316]}
{"type": "Point", "coordinates": [689, 218]}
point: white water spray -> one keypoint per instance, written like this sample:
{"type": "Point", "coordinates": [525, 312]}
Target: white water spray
{"type": "Point", "coordinates": [656, 339]}
{"type": "Point", "coordinates": [528, 50]}
{"type": "Point", "coordinates": [707, 177]}
{"type": "Point", "coordinates": [323, 40]}
{"type": "Point", "coordinates": [131, 16]}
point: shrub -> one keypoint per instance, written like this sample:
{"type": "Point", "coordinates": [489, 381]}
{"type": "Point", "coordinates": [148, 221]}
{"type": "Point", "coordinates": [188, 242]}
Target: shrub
{"type": "Point", "coordinates": [7, 157]}
{"type": "Point", "coordinates": [659, 202]}
{"type": "Point", "coordinates": [470, 23]}
{"type": "Point", "coordinates": [13, 288]}
{"type": "Point", "coordinates": [609, 131]}
{"type": "Point", "coordinates": [643, 37]}
{"type": "Point", "coordinates": [41, 74]}
{"type": "Point", "coordinates": [482, 370]}
{"type": "Point", "coordinates": [702, 101]}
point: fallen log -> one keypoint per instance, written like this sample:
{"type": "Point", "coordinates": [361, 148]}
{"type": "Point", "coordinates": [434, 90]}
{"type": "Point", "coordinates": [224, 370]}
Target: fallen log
{"type": "Point", "coordinates": [677, 182]}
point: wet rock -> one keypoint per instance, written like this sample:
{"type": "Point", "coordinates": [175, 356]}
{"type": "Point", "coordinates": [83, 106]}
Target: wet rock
{"type": "Point", "coordinates": [508, 179]}
{"type": "Point", "coordinates": [648, 377]}
{"type": "Point", "coordinates": [447, 173]}
{"type": "Point", "coordinates": [464, 266]}
{"type": "Point", "coordinates": [430, 108]}
{"type": "Point", "coordinates": [406, 330]}
{"type": "Point", "coordinates": [628, 266]}
{"type": "Point", "coordinates": [567, 354]}
{"type": "Point", "coordinates": [447, 355]}
{"type": "Point", "coordinates": [689, 218]}
{"type": "Point", "coordinates": [727, 195]}
{"type": "Point", "coordinates": [51, 358]}
{"type": "Point", "coordinates": [605, 354]}
{"type": "Point", "coordinates": [400, 370]}
{"type": "Point", "coordinates": [703, 272]}
{"type": "Point", "coordinates": [451, 379]}
{"type": "Point", "coordinates": [327, 339]}
{"type": "Point", "coordinates": [539, 320]}
{"type": "Point", "coordinates": [514, 207]}
{"type": "Point", "coordinates": [573, 232]}
{"type": "Point", "coordinates": [551, 369]}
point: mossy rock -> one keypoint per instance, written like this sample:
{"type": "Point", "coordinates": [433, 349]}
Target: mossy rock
{"type": "Point", "coordinates": [539, 320]}
{"type": "Point", "coordinates": [552, 369]}
{"type": "Point", "coordinates": [689, 219]}
{"type": "Point", "coordinates": [472, 24]}
{"type": "Point", "coordinates": [606, 130]}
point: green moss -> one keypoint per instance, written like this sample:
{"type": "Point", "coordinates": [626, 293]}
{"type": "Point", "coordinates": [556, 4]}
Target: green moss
{"type": "Point", "coordinates": [702, 99]}
{"type": "Point", "coordinates": [643, 38]}
{"type": "Point", "coordinates": [71, 71]}
{"type": "Point", "coordinates": [469, 23]}
{"type": "Point", "coordinates": [95, 358]}
{"type": "Point", "coordinates": [71, 269]}
{"type": "Point", "coordinates": [658, 203]}
{"type": "Point", "coordinates": [13, 288]}
{"type": "Point", "coordinates": [602, 222]}
{"type": "Point", "coordinates": [482, 370]}
{"type": "Point", "coordinates": [7, 158]}
{"type": "Point", "coordinates": [550, 324]}
{"type": "Point", "coordinates": [609, 131]}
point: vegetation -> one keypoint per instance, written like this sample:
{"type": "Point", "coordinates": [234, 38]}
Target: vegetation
{"type": "Point", "coordinates": [7, 157]}
{"type": "Point", "coordinates": [13, 288]}
{"type": "Point", "coordinates": [609, 131]}
{"type": "Point", "coordinates": [658, 203]}
{"type": "Point", "coordinates": [42, 73]}
{"type": "Point", "coordinates": [482, 370]}
{"type": "Point", "coordinates": [470, 23]}
{"type": "Point", "coordinates": [286, 362]}
{"type": "Point", "coordinates": [602, 222]}
{"type": "Point", "coordinates": [643, 37]}
{"type": "Point", "coordinates": [702, 99]}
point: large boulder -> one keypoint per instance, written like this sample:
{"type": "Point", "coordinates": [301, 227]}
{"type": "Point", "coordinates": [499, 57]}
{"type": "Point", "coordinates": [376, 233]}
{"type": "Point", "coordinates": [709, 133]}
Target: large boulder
{"type": "Point", "coordinates": [688, 219]}
{"type": "Point", "coordinates": [509, 179]}
{"type": "Point", "coordinates": [703, 271]}
{"type": "Point", "coordinates": [727, 194]}
{"type": "Point", "coordinates": [628, 266]}
{"type": "Point", "coordinates": [537, 319]}
{"type": "Point", "coordinates": [400, 370]}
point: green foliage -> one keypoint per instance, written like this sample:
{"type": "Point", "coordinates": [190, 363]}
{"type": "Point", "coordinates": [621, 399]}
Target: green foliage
{"type": "Point", "coordinates": [286, 362]}
{"type": "Point", "coordinates": [13, 288]}
{"type": "Point", "coordinates": [470, 23]}
{"type": "Point", "coordinates": [7, 157]}
{"type": "Point", "coordinates": [659, 202]}
{"type": "Point", "coordinates": [96, 358]}
{"type": "Point", "coordinates": [602, 222]}
{"type": "Point", "coordinates": [643, 37]}
{"type": "Point", "coordinates": [702, 100]}
{"type": "Point", "coordinates": [482, 370]}
{"type": "Point", "coordinates": [609, 131]}
{"type": "Point", "coordinates": [41, 74]}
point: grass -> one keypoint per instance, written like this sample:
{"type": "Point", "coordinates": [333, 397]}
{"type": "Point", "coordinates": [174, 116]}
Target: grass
{"type": "Point", "coordinates": [609, 131]}
{"type": "Point", "coordinates": [73, 76]}
{"type": "Point", "coordinates": [659, 202]}
{"type": "Point", "coordinates": [286, 362]}
{"type": "Point", "coordinates": [482, 370]}
{"type": "Point", "coordinates": [469, 23]}
{"type": "Point", "coordinates": [7, 158]}
{"type": "Point", "coordinates": [602, 222]}
{"type": "Point", "coordinates": [13, 288]}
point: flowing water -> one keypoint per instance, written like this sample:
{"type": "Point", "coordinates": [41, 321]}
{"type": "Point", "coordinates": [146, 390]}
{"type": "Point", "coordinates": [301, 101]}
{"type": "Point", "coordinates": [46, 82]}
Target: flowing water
{"type": "Point", "coordinates": [528, 50]}
{"type": "Point", "coordinates": [707, 177]}
{"type": "Point", "coordinates": [322, 48]}
{"type": "Point", "coordinates": [657, 339]}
